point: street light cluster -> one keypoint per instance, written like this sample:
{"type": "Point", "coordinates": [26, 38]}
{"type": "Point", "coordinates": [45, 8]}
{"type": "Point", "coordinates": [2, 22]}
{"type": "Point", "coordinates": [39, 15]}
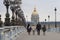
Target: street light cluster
{"type": "Point", "coordinates": [55, 19]}
{"type": "Point", "coordinates": [16, 11]}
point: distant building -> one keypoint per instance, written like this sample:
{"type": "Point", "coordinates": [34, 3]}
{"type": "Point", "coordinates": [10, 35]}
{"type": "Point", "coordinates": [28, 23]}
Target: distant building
{"type": "Point", "coordinates": [34, 17]}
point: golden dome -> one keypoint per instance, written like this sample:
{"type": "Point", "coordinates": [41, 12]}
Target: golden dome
{"type": "Point", "coordinates": [35, 11]}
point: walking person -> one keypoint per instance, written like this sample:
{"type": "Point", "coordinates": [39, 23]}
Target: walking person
{"type": "Point", "coordinates": [44, 29]}
{"type": "Point", "coordinates": [38, 28]}
{"type": "Point", "coordinates": [29, 29]}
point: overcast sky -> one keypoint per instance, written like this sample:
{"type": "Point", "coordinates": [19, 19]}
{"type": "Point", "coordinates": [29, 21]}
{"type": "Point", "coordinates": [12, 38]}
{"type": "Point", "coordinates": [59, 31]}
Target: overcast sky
{"type": "Point", "coordinates": [44, 8]}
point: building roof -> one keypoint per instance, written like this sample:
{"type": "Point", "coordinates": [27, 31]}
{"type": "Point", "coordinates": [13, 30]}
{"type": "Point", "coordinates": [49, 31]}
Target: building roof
{"type": "Point", "coordinates": [34, 11]}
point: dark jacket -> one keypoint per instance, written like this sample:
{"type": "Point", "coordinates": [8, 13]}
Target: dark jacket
{"type": "Point", "coordinates": [44, 28]}
{"type": "Point", "coordinates": [29, 28]}
{"type": "Point", "coordinates": [38, 27]}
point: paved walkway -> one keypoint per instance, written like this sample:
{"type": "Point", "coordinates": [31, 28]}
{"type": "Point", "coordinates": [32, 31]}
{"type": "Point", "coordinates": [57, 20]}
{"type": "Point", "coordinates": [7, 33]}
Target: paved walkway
{"type": "Point", "coordinates": [48, 36]}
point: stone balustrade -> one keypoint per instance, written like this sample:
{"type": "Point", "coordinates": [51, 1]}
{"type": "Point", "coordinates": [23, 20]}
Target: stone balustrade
{"type": "Point", "coordinates": [11, 33]}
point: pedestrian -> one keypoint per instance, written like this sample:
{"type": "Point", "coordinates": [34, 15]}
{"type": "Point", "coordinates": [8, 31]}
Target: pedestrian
{"type": "Point", "coordinates": [38, 28]}
{"type": "Point", "coordinates": [44, 29]}
{"type": "Point", "coordinates": [29, 29]}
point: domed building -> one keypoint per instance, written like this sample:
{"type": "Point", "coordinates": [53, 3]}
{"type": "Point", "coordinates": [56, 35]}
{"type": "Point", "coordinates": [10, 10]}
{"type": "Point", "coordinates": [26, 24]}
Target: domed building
{"type": "Point", "coordinates": [34, 17]}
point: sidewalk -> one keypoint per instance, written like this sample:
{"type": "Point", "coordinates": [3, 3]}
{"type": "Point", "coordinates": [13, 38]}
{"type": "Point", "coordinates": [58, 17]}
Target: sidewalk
{"type": "Point", "coordinates": [48, 36]}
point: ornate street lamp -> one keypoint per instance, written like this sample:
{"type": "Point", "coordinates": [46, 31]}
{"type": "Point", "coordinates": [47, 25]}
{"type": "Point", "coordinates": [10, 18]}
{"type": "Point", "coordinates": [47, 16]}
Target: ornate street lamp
{"type": "Point", "coordinates": [16, 17]}
{"type": "Point", "coordinates": [17, 8]}
{"type": "Point", "coordinates": [13, 10]}
{"type": "Point", "coordinates": [55, 17]}
{"type": "Point", "coordinates": [7, 19]}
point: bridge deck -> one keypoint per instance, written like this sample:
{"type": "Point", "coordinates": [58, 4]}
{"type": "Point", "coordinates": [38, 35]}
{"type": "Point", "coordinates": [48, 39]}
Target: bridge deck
{"type": "Point", "coordinates": [48, 36]}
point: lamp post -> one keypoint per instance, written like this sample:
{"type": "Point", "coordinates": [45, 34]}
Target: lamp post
{"type": "Point", "coordinates": [16, 17]}
{"type": "Point", "coordinates": [48, 22]}
{"type": "Point", "coordinates": [1, 22]}
{"type": "Point", "coordinates": [15, 5]}
{"type": "Point", "coordinates": [45, 21]}
{"type": "Point", "coordinates": [55, 17]}
{"type": "Point", "coordinates": [7, 19]}
{"type": "Point", "coordinates": [12, 9]}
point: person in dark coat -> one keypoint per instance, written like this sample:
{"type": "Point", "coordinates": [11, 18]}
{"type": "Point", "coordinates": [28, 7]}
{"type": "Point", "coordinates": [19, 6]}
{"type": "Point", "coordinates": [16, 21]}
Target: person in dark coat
{"type": "Point", "coordinates": [29, 29]}
{"type": "Point", "coordinates": [44, 29]}
{"type": "Point", "coordinates": [38, 28]}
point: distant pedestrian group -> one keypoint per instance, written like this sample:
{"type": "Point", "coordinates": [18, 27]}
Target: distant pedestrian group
{"type": "Point", "coordinates": [38, 28]}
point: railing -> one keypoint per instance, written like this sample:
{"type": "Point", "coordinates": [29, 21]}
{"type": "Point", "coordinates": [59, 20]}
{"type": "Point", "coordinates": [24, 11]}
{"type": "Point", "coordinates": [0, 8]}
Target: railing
{"type": "Point", "coordinates": [54, 29]}
{"type": "Point", "coordinates": [11, 32]}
